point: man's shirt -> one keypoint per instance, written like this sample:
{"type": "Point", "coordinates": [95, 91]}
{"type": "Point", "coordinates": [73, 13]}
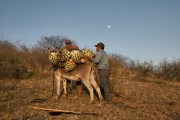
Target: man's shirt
{"type": "Point", "coordinates": [101, 60]}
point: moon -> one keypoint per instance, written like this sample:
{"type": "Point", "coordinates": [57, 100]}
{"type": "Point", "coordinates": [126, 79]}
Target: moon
{"type": "Point", "coordinates": [109, 26]}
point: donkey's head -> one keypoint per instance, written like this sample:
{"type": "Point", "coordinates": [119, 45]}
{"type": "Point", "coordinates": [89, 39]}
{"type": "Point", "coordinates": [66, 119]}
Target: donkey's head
{"type": "Point", "coordinates": [53, 51]}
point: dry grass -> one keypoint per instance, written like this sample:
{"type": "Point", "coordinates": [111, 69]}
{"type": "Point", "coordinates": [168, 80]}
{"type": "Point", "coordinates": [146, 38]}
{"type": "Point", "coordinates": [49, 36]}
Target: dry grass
{"type": "Point", "coordinates": [132, 99]}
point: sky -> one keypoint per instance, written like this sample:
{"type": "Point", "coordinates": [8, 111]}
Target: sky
{"type": "Point", "coordinates": [148, 30]}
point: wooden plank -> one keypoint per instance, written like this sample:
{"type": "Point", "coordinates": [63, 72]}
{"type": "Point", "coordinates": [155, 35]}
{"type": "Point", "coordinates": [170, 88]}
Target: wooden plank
{"type": "Point", "coordinates": [65, 111]}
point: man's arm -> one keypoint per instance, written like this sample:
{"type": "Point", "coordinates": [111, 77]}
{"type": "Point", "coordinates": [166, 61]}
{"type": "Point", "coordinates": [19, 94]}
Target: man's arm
{"type": "Point", "coordinates": [97, 58]}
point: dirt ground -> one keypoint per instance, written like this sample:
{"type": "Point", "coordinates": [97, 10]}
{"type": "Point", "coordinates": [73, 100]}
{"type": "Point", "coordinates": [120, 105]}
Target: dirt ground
{"type": "Point", "coordinates": [132, 99]}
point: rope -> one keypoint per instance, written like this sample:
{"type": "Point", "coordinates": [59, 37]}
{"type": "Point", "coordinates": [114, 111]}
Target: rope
{"type": "Point", "coordinates": [40, 100]}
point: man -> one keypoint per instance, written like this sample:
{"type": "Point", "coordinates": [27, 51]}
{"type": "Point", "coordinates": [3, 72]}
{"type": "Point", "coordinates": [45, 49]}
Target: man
{"type": "Point", "coordinates": [71, 47]}
{"type": "Point", "coordinates": [101, 60]}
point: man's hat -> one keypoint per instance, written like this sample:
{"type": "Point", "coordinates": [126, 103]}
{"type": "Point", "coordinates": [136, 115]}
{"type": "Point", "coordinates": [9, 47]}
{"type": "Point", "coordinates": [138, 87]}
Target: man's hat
{"type": "Point", "coordinates": [100, 44]}
{"type": "Point", "coordinates": [67, 42]}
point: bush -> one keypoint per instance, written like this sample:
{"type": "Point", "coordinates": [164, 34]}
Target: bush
{"type": "Point", "coordinates": [168, 70]}
{"type": "Point", "coordinates": [12, 64]}
{"type": "Point", "coordinates": [116, 62]}
{"type": "Point", "coordinates": [142, 69]}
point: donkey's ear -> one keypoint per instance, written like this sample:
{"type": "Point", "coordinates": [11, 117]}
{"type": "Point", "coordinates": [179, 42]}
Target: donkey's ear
{"type": "Point", "coordinates": [57, 50]}
{"type": "Point", "coordinates": [49, 50]}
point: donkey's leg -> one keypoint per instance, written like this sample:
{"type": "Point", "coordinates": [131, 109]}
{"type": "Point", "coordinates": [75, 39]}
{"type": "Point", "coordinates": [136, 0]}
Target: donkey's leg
{"type": "Point", "coordinates": [58, 83]}
{"type": "Point", "coordinates": [64, 86]}
{"type": "Point", "coordinates": [95, 85]}
{"type": "Point", "coordinates": [90, 88]}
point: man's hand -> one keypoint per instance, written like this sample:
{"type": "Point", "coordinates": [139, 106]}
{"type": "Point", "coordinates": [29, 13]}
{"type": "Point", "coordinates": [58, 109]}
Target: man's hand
{"type": "Point", "coordinates": [88, 57]}
{"type": "Point", "coordinates": [93, 56]}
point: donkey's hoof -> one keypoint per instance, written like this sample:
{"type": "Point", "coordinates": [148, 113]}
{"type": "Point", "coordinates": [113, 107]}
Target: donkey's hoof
{"type": "Point", "coordinates": [64, 95]}
{"type": "Point", "coordinates": [102, 100]}
{"type": "Point", "coordinates": [57, 97]}
{"type": "Point", "coordinates": [91, 102]}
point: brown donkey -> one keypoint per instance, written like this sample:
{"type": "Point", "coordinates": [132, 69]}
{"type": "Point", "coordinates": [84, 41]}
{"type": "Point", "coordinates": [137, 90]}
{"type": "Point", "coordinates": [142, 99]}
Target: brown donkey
{"type": "Point", "coordinates": [85, 72]}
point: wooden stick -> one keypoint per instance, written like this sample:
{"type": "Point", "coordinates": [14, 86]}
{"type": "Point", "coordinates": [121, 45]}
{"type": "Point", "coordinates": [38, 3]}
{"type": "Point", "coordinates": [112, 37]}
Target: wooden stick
{"type": "Point", "coordinates": [65, 111]}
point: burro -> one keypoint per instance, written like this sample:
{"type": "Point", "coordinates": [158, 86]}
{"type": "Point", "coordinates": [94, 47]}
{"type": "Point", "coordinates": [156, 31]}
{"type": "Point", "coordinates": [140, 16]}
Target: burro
{"type": "Point", "coordinates": [86, 72]}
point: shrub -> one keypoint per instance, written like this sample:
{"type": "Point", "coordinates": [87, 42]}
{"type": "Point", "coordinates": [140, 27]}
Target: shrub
{"type": "Point", "coordinates": [116, 62]}
{"type": "Point", "coordinates": [12, 64]}
{"type": "Point", "coordinates": [142, 69]}
{"type": "Point", "coordinates": [168, 70]}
